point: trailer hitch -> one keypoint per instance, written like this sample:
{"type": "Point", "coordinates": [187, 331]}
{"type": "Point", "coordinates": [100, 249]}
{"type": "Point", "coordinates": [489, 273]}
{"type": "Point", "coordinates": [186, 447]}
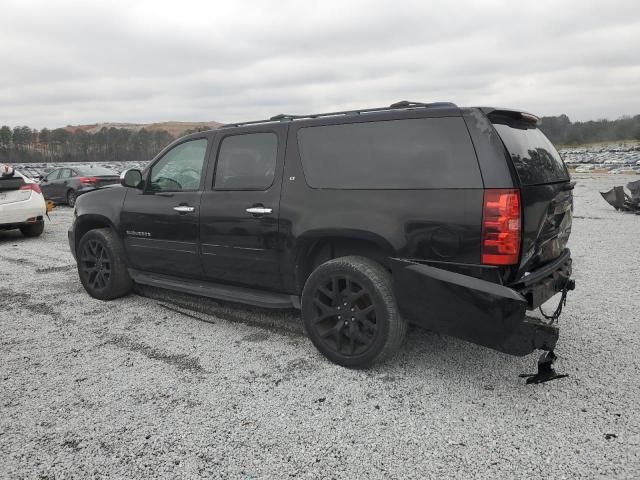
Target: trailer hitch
{"type": "Point", "coordinates": [546, 372]}
{"type": "Point", "coordinates": [569, 285]}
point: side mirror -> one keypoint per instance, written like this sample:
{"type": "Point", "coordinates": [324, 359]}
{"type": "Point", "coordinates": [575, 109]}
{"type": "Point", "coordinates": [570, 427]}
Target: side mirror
{"type": "Point", "coordinates": [44, 180]}
{"type": "Point", "coordinates": [131, 178]}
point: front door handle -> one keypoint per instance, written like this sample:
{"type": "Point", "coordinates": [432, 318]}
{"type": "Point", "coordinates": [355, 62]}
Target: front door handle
{"type": "Point", "coordinates": [184, 208]}
{"type": "Point", "coordinates": [259, 210]}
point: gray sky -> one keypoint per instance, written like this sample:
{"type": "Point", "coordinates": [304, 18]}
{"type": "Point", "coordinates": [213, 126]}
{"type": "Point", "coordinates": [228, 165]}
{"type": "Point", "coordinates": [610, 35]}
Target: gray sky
{"type": "Point", "coordinates": [73, 62]}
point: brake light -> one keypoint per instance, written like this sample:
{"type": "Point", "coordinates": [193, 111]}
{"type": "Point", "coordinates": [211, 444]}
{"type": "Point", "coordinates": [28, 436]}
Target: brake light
{"type": "Point", "coordinates": [88, 180]}
{"type": "Point", "coordinates": [501, 226]}
{"type": "Point", "coordinates": [31, 186]}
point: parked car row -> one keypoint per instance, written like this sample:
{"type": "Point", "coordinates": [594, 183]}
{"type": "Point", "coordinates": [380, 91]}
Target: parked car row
{"type": "Point", "coordinates": [611, 169]}
{"type": "Point", "coordinates": [63, 183]}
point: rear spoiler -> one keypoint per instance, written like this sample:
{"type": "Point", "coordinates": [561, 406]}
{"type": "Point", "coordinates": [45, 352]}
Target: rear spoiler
{"type": "Point", "coordinates": [9, 180]}
{"type": "Point", "coordinates": [509, 114]}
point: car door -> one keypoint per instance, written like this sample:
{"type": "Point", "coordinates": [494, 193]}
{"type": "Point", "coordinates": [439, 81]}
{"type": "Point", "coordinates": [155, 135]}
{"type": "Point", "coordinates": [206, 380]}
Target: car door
{"type": "Point", "coordinates": [62, 184]}
{"type": "Point", "coordinates": [159, 222]}
{"type": "Point", "coordinates": [239, 234]}
{"type": "Point", "coordinates": [49, 184]}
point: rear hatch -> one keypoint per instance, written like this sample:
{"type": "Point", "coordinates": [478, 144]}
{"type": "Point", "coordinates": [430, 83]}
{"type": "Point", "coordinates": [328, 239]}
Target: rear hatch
{"type": "Point", "coordinates": [10, 189]}
{"type": "Point", "coordinates": [545, 189]}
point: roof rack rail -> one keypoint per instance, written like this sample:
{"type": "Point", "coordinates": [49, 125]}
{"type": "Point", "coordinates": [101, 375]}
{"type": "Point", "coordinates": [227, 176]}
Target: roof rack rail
{"type": "Point", "coordinates": [407, 104]}
{"type": "Point", "coordinates": [282, 117]}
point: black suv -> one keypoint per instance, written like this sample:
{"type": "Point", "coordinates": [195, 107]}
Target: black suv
{"type": "Point", "coordinates": [455, 219]}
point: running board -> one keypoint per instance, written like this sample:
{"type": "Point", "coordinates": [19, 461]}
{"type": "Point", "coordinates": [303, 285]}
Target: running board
{"type": "Point", "coordinates": [227, 293]}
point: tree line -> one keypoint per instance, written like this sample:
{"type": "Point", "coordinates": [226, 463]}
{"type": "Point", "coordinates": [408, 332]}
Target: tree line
{"type": "Point", "coordinates": [26, 145]}
{"type": "Point", "coordinates": [562, 131]}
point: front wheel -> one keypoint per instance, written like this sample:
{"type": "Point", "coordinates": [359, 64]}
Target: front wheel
{"type": "Point", "coordinates": [350, 313]}
{"type": "Point", "coordinates": [101, 265]}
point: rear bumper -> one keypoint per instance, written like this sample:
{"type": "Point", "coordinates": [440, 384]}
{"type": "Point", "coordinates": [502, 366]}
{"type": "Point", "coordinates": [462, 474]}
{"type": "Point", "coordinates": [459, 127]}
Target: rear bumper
{"type": "Point", "coordinates": [545, 282]}
{"type": "Point", "coordinates": [479, 311]}
{"type": "Point", "coordinates": [22, 212]}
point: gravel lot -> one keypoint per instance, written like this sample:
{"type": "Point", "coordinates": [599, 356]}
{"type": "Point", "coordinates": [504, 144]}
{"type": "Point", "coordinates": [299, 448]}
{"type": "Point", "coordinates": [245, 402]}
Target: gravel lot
{"type": "Point", "coordinates": [165, 385]}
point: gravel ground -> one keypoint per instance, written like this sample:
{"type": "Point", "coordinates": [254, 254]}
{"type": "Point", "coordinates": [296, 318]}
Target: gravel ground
{"type": "Point", "coordinates": [164, 385]}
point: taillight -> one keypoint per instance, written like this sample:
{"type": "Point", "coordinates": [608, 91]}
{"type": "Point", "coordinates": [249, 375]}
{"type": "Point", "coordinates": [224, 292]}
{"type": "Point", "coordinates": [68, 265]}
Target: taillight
{"type": "Point", "coordinates": [88, 180]}
{"type": "Point", "coordinates": [501, 225]}
{"type": "Point", "coordinates": [31, 186]}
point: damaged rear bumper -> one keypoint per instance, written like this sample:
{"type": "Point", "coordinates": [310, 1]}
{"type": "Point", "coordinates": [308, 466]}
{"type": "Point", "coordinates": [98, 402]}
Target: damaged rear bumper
{"type": "Point", "coordinates": [480, 311]}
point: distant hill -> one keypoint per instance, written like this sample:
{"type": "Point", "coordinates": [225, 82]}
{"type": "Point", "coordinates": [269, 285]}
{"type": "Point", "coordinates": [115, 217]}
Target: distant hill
{"type": "Point", "coordinates": [176, 129]}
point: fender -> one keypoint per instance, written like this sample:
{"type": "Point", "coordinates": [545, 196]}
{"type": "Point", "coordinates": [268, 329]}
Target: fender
{"type": "Point", "coordinates": [96, 208]}
{"type": "Point", "coordinates": [297, 258]}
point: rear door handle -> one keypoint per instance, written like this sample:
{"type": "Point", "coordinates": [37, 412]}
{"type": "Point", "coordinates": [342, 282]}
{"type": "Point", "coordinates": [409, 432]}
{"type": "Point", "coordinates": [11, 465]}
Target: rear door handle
{"type": "Point", "coordinates": [184, 208]}
{"type": "Point", "coordinates": [259, 210]}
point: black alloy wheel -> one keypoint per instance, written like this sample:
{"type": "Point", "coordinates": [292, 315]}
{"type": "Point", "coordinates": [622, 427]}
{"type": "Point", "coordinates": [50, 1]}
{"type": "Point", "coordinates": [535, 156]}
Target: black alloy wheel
{"type": "Point", "coordinates": [349, 312]}
{"type": "Point", "coordinates": [345, 315]}
{"type": "Point", "coordinates": [95, 264]}
{"type": "Point", "coordinates": [101, 265]}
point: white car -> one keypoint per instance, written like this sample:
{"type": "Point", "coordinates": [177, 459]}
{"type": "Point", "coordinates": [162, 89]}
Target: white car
{"type": "Point", "coordinates": [22, 204]}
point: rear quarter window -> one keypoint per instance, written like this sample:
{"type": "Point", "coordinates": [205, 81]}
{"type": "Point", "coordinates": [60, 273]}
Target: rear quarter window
{"type": "Point", "coordinates": [393, 154]}
{"type": "Point", "coordinates": [534, 157]}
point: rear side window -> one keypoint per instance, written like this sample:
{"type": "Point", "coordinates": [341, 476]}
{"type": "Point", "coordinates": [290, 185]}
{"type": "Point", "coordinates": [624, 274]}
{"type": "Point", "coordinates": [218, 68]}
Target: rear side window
{"type": "Point", "coordinates": [247, 162]}
{"type": "Point", "coordinates": [392, 154]}
{"type": "Point", "coordinates": [534, 157]}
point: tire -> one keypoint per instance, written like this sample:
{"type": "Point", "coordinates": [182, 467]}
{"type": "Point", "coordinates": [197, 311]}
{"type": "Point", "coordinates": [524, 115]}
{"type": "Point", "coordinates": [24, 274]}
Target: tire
{"type": "Point", "coordinates": [71, 198]}
{"type": "Point", "coordinates": [101, 265]}
{"type": "Point", "coordinates": [33, 229]}
{"type": "Point", "coordinates": [372, 329]}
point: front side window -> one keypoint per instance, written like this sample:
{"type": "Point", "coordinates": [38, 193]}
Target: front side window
{"type": "Point", "coordinates": [54, 175]}
{"type": "Point", "coordinates": [247, 162]}
{"type": "Point", "coordinates": [391, 154]}
{"type": "Point", "coordinates": [180, 168]}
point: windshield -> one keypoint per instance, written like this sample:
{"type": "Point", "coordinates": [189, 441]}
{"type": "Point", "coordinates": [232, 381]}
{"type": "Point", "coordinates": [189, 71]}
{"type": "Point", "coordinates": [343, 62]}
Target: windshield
{"type": "Point", "coordinates": [95, 170]}
{"type": "Point", "coordinates": [533, 155]}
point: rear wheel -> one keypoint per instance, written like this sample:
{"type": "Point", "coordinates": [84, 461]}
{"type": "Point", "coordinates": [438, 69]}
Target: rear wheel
{"type": "Point", "coordinates": [350, 313]}
{"type": "Point", "coordinates": [33, 229]}
{"type": "Point", "coordinates": [101, 265]}
{"type": "Point", "coordinates": [71, 198]}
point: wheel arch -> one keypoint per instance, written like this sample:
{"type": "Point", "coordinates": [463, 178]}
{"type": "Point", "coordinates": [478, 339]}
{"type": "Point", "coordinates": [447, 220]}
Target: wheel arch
{"type": "Point", "coordinates": [317, 247]}
{"type": "Point", "coordinates": [89, 222]}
